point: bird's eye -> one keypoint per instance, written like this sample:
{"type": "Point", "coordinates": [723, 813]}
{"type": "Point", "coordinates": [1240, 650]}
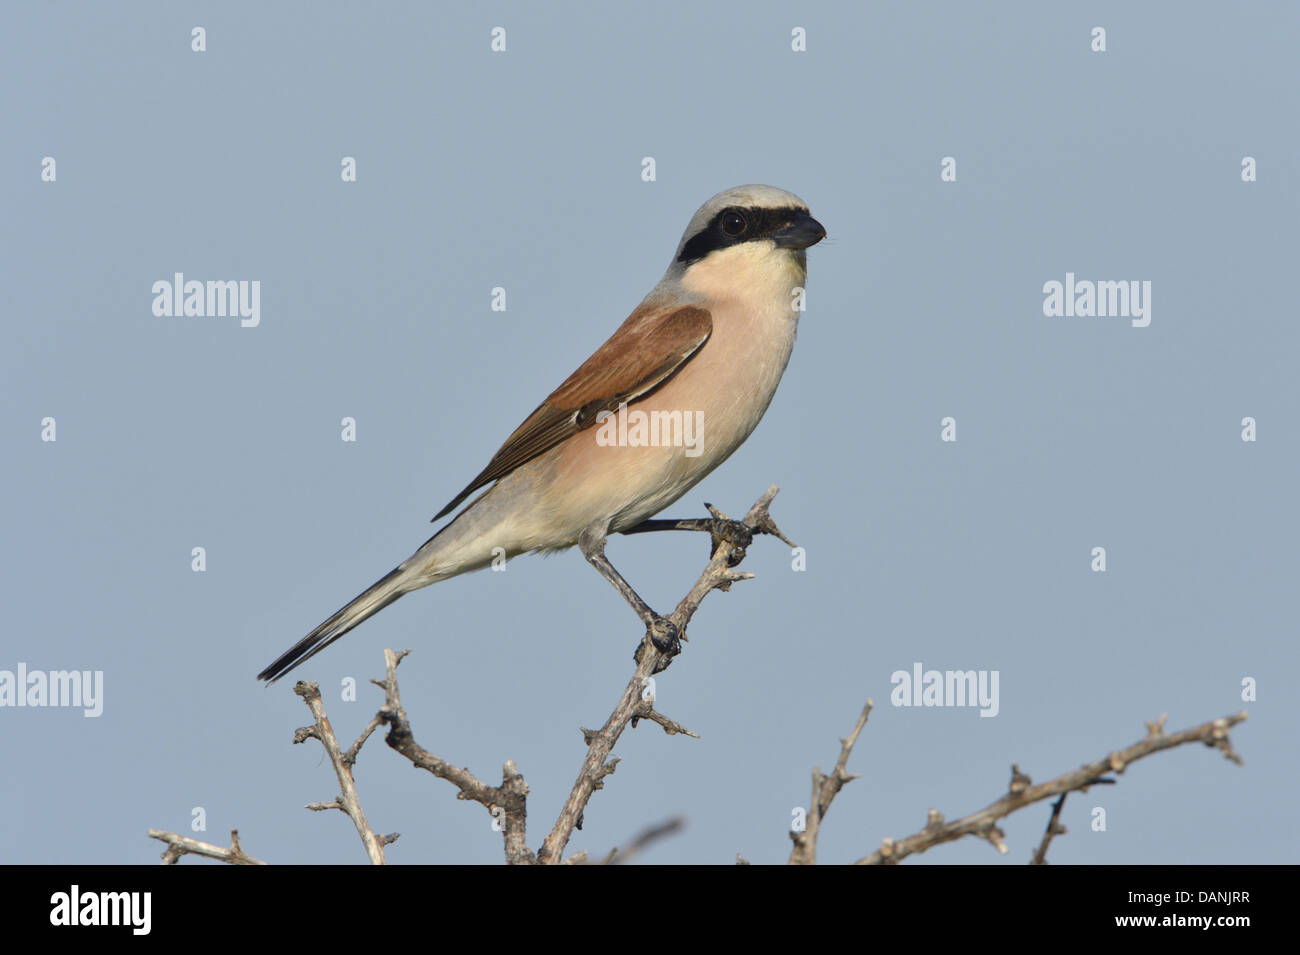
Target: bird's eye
{"type": "Point", "coordinates": [733, 223]}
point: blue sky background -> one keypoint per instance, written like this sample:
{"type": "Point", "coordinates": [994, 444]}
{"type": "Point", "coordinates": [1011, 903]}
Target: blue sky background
{"type": "Point", "coordinates": [522, 169]}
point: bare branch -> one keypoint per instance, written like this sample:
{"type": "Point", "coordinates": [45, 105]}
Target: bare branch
{"type": "Point", "coordinates": [825, 789]}
{"type": "Point", "coordinates": [178, 846]}
{"type": "Point", "coordinates": [507, 803]}
{"type": "Point", "coordinates": [619, 856]}
{"type": "Point", "coordinates": [1054, 828]}
{"type": "Point", "coordinates": [350, 757]}
{"type": "Point", "coordinates": [347, 801]}
{"type": "Point", "coordinates": [646, 711]}
{"type": "Point", "coordinates": [717, 575]}
{"type": "Point", "coordinates": [1023, 793]}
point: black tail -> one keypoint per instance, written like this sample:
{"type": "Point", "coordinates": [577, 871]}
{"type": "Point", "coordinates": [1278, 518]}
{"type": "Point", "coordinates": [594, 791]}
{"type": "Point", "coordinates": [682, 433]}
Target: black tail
{"type": "Point", "coordinates": [374, 599]}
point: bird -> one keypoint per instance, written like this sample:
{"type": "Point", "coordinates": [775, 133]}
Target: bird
{"type": "Point", "coordinates": [707, 346]}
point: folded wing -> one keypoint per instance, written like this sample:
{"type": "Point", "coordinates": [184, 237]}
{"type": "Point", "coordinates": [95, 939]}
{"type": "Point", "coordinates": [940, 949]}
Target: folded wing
{"type": "Point", "coordinates": [646, 350]}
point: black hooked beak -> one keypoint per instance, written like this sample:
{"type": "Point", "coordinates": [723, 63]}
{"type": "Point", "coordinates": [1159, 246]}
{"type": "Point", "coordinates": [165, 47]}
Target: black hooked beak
{"type": "Point", "coordinates": [803, 232]}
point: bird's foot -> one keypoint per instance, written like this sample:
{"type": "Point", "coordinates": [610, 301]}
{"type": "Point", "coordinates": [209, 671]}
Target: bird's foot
{"type": "Point", "coordinates": [664, 636]}
{"type": "Point", "coordinates": [732, 532]}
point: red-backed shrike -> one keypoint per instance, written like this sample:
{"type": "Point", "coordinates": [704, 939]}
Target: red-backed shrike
{"type": "Point", "coordinates": [698, 360]}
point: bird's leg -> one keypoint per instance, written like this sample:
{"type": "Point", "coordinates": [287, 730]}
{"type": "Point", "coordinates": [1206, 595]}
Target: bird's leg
{"type": "Point", "coordinates": [720, 529]}
{"type": "Point", "coordinates": [662, 632]}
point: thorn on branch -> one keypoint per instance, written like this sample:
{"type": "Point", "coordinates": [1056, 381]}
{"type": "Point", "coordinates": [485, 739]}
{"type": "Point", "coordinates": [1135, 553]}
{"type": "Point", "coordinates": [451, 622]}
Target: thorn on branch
{"type": "Point", "coordinates": [1019, 781]}
{"type": "Point", "coordinates": [996, 838]}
